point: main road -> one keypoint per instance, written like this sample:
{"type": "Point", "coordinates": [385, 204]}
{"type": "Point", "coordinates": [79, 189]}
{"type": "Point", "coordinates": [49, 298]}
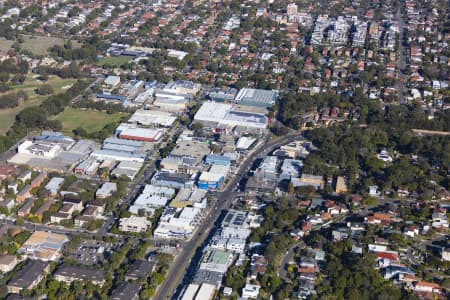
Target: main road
{"type": "Point", "coordinates": [223, 201]}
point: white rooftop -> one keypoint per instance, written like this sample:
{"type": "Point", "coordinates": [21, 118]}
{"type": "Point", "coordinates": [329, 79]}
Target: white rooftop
{"type": "Point", "coordinates": [223, 113]}
{"type": "Point", "coordinates": [152, 117]}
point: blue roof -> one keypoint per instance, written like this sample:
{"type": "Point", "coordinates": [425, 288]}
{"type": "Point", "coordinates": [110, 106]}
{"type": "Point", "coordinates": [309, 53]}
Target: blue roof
{"type": "Point", "coordinates": [52, 137]}
{"type": "Point", "coordinates": [132, 53]}
{"type": "Point", "coordinates": [113, 140]}
{"type": "Point", "coordinates": [118, 147]}
{"type": "Point", "coordinates": [217, 158]}
{"type": "Point", "coordinates": [111, 97]}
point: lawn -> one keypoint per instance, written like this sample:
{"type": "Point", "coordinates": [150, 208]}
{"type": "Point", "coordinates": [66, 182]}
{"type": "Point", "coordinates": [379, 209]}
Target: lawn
{"type": "Point", "coordinates": [5, 44]}
{"type": "Point", "coordinates": [116, 61]}
{"type": "Point", "coordinates": [40, 44]}
{"type": "Point", "coordinates": [36, 44]}
{"type": "Point", "coordinates": [89, 120]}
{"type": "Point", "coordinates": [31, 83]}
{"type": "Point", "coordinates": [7, 116]}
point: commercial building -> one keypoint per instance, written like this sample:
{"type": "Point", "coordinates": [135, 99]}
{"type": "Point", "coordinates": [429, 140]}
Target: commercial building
{"type": "Point", "coordinates": [43, 245]}
{"type": "Point", "coordinates": [55, 137]}
{"type": "Point", "coordinates": [110, 83]}
{"type": "Point", "coordinates": [110, 97]}
{"type": "Point", "coordinates": [218, 160]}
{"type": "Point", "coordinates": [87, 167]}
{"type": "Point", "coordinates": [233, 233]}
{"type": "Point", "coordinates": [189, 197]}
{"type": "Point", "coordinates": [28, 277]}
{"type": "Point", "coordinates": [180, 163]}
{"type": "Point", "coordinates": [234, 218]}
{"type": "Point", "coordinates": [130, 132]}
{"type": "Point", "coordinates": [183, 87]}
{"type": "Point", "coordinates": [232, 244]}
{"type": "Point", "coordinates": [244, 143]}
{"type": "Point", "coordinates": [256, 97]}
{"type": "Point", "coordinates": [131, 89]}
{"type": "Point", "coordinates": [64, 141]}
{"type": "Point", "coordinates": [127, 168]}
{"type": "Point", "coordinates": [215, 115]}
{"type": "Point", "coordinates": [222, 94]}
{"type": "Point", "coordinates": [206, 292]}
{"type": "Point", "coordinates": [41, 149]}
{"type": "Point", "coordinates": [175, 180]}
{"type": "Point", "coordinates": [146, 95]}
{"type": "Point", "coordinates": [69, 274]}
{"type": "Point", "coordinates": [291, 168]}
{"type": "Point", "coordinates": [134, 224]}
{"type": "Point", "coordinates": [106, 190]}
{"type": "Point", "coordinates": [190, 292]}
{"type": "Point", "coordinates": [171, 101]}
{"type": "Point", "coordinates": [216, 261]}
{"type": "Point", "coordinates": [152, 198]}
{"type": "Point", "coordinates": [153, 118]}
{"type": "Point", "coordinates": [191, 149]}
{"type": "Point", "coordinates": [113, 143]}
{"type": "Point", "coordinates": [268, 168]}
{"type": "Point", "coordinates": [180, 227]}
{"type": "Point", "coordinates": [104, 154]}
{"type": "Point", "coordinates": [170, 230]}
{"type": "Point", "coordinates": [213, 178]}
{"type": "Point", "coordinates": [51, 151]}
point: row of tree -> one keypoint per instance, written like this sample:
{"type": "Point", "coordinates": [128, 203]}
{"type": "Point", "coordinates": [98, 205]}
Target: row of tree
{"type": "Point", "coordinates": [12, 100]}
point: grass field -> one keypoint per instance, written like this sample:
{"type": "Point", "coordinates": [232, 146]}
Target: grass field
{"type": "Point", "coordinates": [7, 116]}
{"type": "Point", "coordinates": [5, 44]}
{"type": "Point", "coordinates": [116, 61]}
{"type": "Point", "coordinates": [31, 83]}
{"type": "Point", "coordinates": [39, 44]}
{"type": "Point", "coordinates": [89, 120]}
{"type": "Point", "coordinates": [36, 44]}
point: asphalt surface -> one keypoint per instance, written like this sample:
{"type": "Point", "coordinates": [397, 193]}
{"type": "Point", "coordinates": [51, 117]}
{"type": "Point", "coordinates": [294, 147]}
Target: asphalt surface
{"type": "Point", "coordinates": [288, 257]}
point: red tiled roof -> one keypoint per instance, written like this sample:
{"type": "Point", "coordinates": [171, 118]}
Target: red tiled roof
{"type": "Point", "coordinates": [387, 255]}
{"type": "Point", "coordinates": [428, 284]}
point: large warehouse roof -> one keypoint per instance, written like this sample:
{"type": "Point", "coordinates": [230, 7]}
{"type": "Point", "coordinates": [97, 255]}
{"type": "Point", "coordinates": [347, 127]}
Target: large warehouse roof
{"type": "Point", "coordinates": [224, 114]}
{"type": "Point", "coordinates": [257, 97]}
{"type": "Point", "coordinates": [152, 117]}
